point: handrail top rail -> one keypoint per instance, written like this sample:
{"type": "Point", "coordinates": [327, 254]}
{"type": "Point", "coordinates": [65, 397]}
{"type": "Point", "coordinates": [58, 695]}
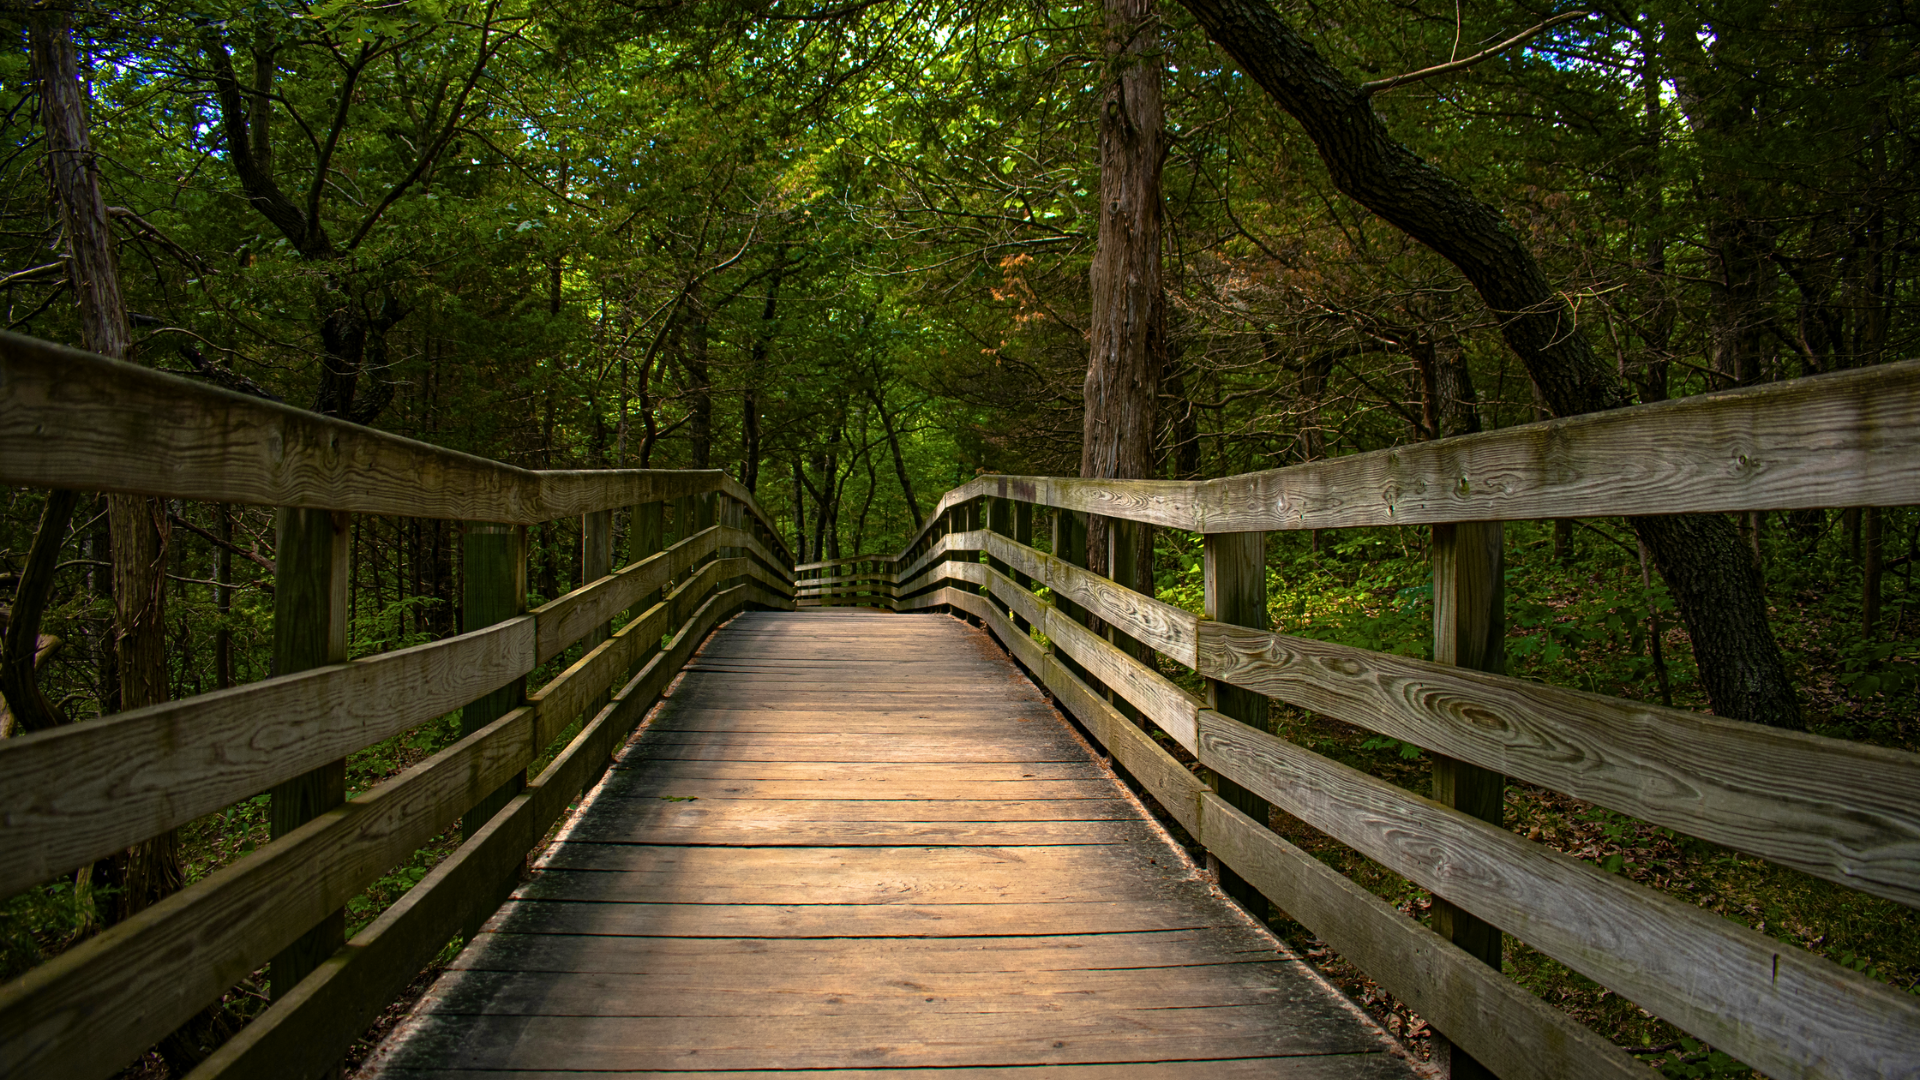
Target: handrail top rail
{"type": "Point", "coordinates": [134, 430]}
{"type": "Point", "coordinates": [1846, 438]}
{"type": "Point", "coordinates": [842, 562]}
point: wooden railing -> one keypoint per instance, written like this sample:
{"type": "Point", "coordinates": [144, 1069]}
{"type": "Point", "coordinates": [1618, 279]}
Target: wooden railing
{"type": "Point", "coordinates": [81, 792]}
{"type": "Point", "coordinates": [1843, 811]}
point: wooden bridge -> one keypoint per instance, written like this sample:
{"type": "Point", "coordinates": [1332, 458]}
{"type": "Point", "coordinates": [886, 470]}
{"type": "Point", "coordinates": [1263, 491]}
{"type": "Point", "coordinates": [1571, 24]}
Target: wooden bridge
{"type": "Point", "coordinates": [860, 843]}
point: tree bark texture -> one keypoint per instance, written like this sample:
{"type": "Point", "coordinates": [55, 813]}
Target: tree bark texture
{"type": "Point", "coordinates": [1128, 331]}
{"type": "Point", "coordinates": [1718, 589]}
{"type": "Point", "coordinates": [138, 524]}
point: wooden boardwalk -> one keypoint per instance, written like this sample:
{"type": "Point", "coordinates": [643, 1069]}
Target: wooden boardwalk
{"type": "Point", "coordinates": [863, 843]}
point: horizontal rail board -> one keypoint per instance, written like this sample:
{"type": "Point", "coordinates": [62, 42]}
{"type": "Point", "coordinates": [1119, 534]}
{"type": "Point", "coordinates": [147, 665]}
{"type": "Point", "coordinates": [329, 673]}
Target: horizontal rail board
{"type": "Point", "coordinates": [157, 968]}
{"type": "Point", "coordinates": [74, 419]}
{"type": "Point", "coordinates": [85, 790]}
{"type": "Point", "coordinates": [1849, 438]}
{"type": "Point", "coordinates": [1484, 1012]}
{"type": "Point", "coordinates": [1168, 629]}
{"type": "Point", "coordinates": [568, 618]}
{"type": "Point", "coordinates": [1841, 810]}
{"type": "Point", "coordinates": [889, 559]}
{"type": "Point", "coordinates": [334, 1005]}
{"type": "Point", "coordinates": [559, 702]}
{"type": "Point", "coordinates": [1773, 1006]}
{"type": "Point", "coordinates": [1507, 1029]}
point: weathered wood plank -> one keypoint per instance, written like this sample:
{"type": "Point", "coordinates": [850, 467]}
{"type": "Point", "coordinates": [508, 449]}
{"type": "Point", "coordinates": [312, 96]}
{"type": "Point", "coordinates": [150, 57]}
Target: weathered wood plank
{"type": "Point", "coordinates": [1165, 627]}
{"type": "Point", "coordinates": [329, 1009]}
{"type": "Point", "coordinates": [843, 562]}
{"type": "Point", "coordinates": [722, 993]}
{"type": "Point", "coordinates": [74, 419]}
{"type": "Point", "coordinates": [79, 792]}
{"type": "Point", "coordinates": [599, 1043]}
{"type": "Point", "coordinates": [1777, 1008]}
{"type": "Point", "coordinates": [1171, 785]}
{"type": "Point", "coordinates": [1156, 696]}
{"type": "Point", "coordinates": [1847, 438]}
{"type": "Point", "coordinates": [568, 618]}
{"type": "Point", "coordinates": [1844, 811]}
{"type": "Point", "coordinates": [1235, 592]}
{"type": "Point", "coordinates": [920, 834]}
{"type": "Point", "coordinates": [1345, 1067]}
{"type": "Point", "coordinates": [1502, 1025]}
{"type": "Point", "coordinates": [688, 958]}
{"type": "Point", "coordinates": [559, 702]}
{"type": "Point", "coordinates": [673, 809]}
{"type": "Point", "coordinates": [155, 969]}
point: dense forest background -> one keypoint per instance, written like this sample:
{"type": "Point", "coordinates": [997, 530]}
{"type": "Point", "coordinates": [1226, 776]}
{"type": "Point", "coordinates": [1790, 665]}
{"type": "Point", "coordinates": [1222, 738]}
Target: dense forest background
{"type": "Point", "coordinates": [842, 251]}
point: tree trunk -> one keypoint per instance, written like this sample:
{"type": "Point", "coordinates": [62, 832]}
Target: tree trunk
{"type": "Point", "coordinates": [699, 379]}
{"type": "Point", "coordinates": [138, 524]}
{"type": "Point", "coordinates": [899, 460]}
{"type": "Point", "coordinates": [1129, 318]}
{"type": "Point", "coordinates": [1720, 593]}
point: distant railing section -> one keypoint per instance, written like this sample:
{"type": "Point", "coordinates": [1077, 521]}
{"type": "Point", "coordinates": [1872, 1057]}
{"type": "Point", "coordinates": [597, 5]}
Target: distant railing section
{"type": "Point", "coordinates": [1843, 811]}
{"type": "Point", "coordinates": [77, 793]}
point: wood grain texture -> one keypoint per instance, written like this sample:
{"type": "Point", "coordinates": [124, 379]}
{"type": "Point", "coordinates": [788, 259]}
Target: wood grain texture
{"type": "Point", "coordinates": [1520, 1036]}
{"type": "Point", "coordinates": [1166, 628]}
{"type": "Point", "coordinates": [80, 792]}
{"type": "Point", "coordinates": [716, 927]}
{"type": "Point", "coordinates": [562, 700]}
{"type": "Point", "coordinates": [1775, 1007]}
{"type": "Point", "coordinates": [568, 618]}
{"type": "Point", "coordinates": [74, 419]}
{"type": "Point", "coordinates": [1844, 811]}
{"type": "Point", "coordinates": [1356, 1067]}
{"type": "Point", "coordinates": [1503, 1026]}
{"type": "Point", "coordinates": [152, 971]}
{"type": "Point", "coordinates": [830, 563]}
{"type": "Point", "coordinates": [1841, 439]}
{"type": "Point", "coordinates": [332, 1007]}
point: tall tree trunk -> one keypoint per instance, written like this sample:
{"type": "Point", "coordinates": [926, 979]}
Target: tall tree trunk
{"type": "Point", "coordinates": [699, 378]}
{"type": "Point", "coordinates": [1714, 582]}
{"type": "Point", "coordinates": [893, 444]}
{"type": "Point", "coordinates": [1128, 332]}
{"type": "Point", "coordinates": [799, 513]}
{"type": "Point", "coordinates": [138, 524]}
{"type": "Point", "coordinates": [756, 370]}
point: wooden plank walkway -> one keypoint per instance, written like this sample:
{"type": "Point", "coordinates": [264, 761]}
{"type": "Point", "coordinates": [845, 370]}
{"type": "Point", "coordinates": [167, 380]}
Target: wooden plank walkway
{"type": "Point", "coordinates": [863, 844]}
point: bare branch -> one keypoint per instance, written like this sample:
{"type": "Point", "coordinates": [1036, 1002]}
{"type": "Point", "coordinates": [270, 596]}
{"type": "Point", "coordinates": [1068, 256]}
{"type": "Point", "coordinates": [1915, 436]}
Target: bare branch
{"type": "Point", "coordinates": [1378, 86]}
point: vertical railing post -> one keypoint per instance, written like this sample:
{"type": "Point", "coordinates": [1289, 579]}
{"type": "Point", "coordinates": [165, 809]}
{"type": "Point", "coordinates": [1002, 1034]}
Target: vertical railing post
{"type": "Point", "coordinates": [646, 535]}
{"type": "Point", "coordinates": [1124, 541]}
{"type": "Point", "coordinates": [1235, 589]}
{"type": "Point", "coordinates": [729, 512]}
{"type": "Point", "coordinates": [1070, 547]}
{"type": "Point", "coordinates": [999, 520]}
{"type": "Point", "coordinates": [1022, 534]}
{"type": "Point", "coordinates": [494, 557]}
{"type": "Point", "coordinates": [310, 572]}
{"type": "Point", "coordinates": [596, 562]}
{"type": "Point", "coordinates": [973, 520]}
{"type": "Point", "coordinates": [1469, 630]}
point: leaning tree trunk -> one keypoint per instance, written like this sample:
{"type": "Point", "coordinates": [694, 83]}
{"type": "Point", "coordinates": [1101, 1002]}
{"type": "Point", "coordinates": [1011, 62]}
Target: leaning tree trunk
{"type": "Point", "coordinates": [1129, 318]}
{"type": "Point", "coordinates": [1714, 579]}
{"type": "Point", "coordinates": [137, 523]}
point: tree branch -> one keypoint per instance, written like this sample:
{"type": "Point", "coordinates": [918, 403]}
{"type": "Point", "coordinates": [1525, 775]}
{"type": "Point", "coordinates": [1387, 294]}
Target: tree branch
{"type": "Point", "coordinates": [1381, 86]}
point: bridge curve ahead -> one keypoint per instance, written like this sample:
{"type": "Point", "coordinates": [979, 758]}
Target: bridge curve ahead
{"type": "Point", "coordinates": [864, 843]}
